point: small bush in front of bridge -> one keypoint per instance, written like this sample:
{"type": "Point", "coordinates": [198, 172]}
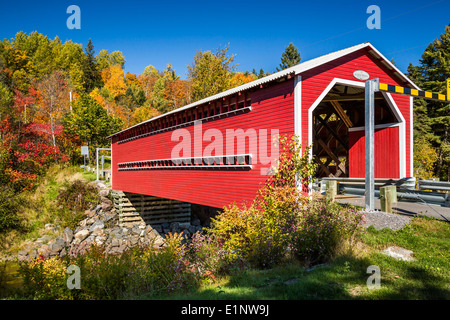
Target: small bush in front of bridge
{"type": "Point", "coordinates": [282, 220]}
{"type": "Point", "coordinates": [322, 229]}
{"type": "Point", "coordinates": [260, 234]}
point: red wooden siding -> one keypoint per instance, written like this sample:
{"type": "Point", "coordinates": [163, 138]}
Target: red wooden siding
{"type": "Point", "coordinates": [315, 81]}
{"type": "Point", "coordinates": [386, 153]}
{"type": "Point", "coordinates": [272, 108]}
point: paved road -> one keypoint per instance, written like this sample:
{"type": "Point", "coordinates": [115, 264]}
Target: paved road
{"type": "Point", "coordinates": [403, 207]}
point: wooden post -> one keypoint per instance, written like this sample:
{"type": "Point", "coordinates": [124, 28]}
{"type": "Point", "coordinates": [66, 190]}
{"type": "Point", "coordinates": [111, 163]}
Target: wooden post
{"type": "Point", "coordinates": [388, 196]}
{"type": "Point", "coordinates": [331, 190]}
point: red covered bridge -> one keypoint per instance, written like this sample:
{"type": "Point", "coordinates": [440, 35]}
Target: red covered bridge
{"type": "Point", "coordinates": [217, 150]}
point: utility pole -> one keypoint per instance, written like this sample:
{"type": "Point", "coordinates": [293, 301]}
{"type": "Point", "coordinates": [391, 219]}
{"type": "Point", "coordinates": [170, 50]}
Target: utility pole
{"type": "Point", "coordinates": [371, 86]}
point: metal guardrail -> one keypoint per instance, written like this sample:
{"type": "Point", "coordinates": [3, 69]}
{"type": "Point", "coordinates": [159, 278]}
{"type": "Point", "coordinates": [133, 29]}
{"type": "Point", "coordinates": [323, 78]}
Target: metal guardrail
{"type": "Point", "coordinates": [437, 198]}
{"type": "Point", "coordinates": [405, 183]}
{"type": "Point", "coordinates": [405, 189]}
{"type": "Point", "coordinates": [434, 185]}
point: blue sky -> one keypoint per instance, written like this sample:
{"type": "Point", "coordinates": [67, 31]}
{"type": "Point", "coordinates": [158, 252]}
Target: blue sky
{"type": "Point", "coordinates": [159, 32]}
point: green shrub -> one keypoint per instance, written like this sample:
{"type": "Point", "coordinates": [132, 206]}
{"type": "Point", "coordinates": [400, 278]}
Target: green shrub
{"type": "Point", "coordinates": [137, 272]}
{"type": "Point", "coordinates": [73, 199]}
{"type": "Point", "coordinates": [322, 228]}
{"type": "Point", "coordinates": [206, 256]}
{"type": "Point", "coordinates": [261, 233]}
{"type": "Point", "coordinates": [9, 206]}
{"type": "Point", "coordinates": [45, 279]}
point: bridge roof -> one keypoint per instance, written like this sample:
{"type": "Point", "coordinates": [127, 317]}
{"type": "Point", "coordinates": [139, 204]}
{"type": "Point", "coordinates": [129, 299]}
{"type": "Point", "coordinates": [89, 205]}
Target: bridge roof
{"type": "Point", "coordinates": [295, 70]}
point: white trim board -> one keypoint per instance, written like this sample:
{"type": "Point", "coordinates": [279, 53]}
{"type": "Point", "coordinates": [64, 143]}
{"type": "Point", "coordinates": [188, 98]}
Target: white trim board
{"type": "Point", "coordinates": [298, 107]}
{"type": "Point", "coordinates": [411, 136]}
{"type": "Point", "coordinates": [391, 103]}
{"type": "Point", "coordinates": [377, 126]}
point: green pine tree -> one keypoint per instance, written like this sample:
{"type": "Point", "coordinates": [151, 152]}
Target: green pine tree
{"type": "Point", "coordinates": [432, 118]}
{"type": "Point", "coordinates": [290, 57]}
{"type": "Point", "coordinates": [91, 75]}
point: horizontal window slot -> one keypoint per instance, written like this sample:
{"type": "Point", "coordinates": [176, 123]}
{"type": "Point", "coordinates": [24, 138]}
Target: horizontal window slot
{"type": "Point", "coordinates": [241, 161]}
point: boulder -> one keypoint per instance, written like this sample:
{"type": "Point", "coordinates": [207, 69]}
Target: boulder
{"type": "Point", "coordinates": [49, 227]}
{"type": "Point", "coordinates": [158, 242]}
{"type": "Point", "coordinates": [136, 231]}
{"type": "Point", "coordinates": [104, 192]}
{"type": "Point", "coordinates": [192, 229]}
{"type": "Point", "coordinates": [43, 251]}
{"type": "Point", "coordinates": [57, 246]}
{"type": "Point", "coordinates": [97, 225]}
{"type": "Point", "coordinates": [184, 225]}
{"type": "Point", "coordinates": [399, 253]}
{"type": "Point", "coordinates": [90, 213]}
{"type": "Point", "coordinates": [175, 227]}
{"type": "Point", "coordinates": [67, 235]}
{"type": "Point", "coordinates": [82, 234]}
{"type": "Point", "coordinates": [158, 228]}
{"type": "Point", "coordinates": [106, 205]}
{"type": "Point", "coordinates": [22, 255]}
{"type": "Point", "coordinates": [63, 253]}
{"type": "Point", "coordinates": [98, 208]}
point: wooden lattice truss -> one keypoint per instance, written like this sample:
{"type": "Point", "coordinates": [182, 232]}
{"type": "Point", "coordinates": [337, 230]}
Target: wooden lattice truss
{"type": "Point", "coordinates": [340, 110]}
{"type": "Point", "coordinates": [330, 149]}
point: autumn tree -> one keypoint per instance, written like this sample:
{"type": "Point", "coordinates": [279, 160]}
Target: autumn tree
{"type": "Point", "coordinates": [54, 102]}
{"type": "Point", "coordinates": [113, 78]}
{"type": "Point", "coordinates": [106, 60]}
{"type": "Point", "coordinates": [90, 122]}
{"type": "Point", "coordinates": [6, 98]}
{"type": "Point", "coordinates": [240, 78]}
{"type": "Point", "coordinates": [210, 73]}
{"type": "Point", "coordinates": [144, 113]}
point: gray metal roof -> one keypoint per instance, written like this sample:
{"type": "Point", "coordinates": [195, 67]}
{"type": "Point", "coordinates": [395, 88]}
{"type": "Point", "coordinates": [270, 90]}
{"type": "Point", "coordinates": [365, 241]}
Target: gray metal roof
{"type": "Point", "coordinates": [297, 69]}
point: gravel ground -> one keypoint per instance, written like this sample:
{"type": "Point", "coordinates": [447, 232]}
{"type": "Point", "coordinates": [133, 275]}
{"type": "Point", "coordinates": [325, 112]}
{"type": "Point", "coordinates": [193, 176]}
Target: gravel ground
{"type": "Point", "coordinates": [382, 220]}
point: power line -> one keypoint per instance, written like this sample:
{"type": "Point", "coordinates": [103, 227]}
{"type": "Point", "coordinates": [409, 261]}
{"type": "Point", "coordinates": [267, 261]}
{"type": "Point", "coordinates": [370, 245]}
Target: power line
{"type": "Point", "coordinates": [408, 49]}
{"type": "Point", "coordinates": [388, 19]}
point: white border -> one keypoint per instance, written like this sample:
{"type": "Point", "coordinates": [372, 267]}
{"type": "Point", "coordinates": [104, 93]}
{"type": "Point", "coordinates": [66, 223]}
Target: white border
{"type": "Point", "coordinates": [378, 126]}
{"type": "Point", "coordinates": [401, 133]}
{"type": "Point", "coordinates": [298, 107]}
{"type": "Point", "coordinates": [411, 135]}
{"type": "Point", "coordinates": [319, 100]}
{"type": "Point", "coordinates": [392, 105]}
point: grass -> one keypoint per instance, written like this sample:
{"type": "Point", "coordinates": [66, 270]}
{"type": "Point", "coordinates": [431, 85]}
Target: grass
{"type": "Point", "coordinates": [345, 277]}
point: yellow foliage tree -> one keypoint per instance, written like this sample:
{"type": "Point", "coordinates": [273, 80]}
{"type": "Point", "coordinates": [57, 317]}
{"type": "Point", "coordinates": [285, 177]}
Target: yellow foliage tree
{"type": "Point", "coordinates": [240, 78]}
{"type": "Point", "coordinates": [113, 78]}
{"type": "Point", "coordinates": [144, 113]}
